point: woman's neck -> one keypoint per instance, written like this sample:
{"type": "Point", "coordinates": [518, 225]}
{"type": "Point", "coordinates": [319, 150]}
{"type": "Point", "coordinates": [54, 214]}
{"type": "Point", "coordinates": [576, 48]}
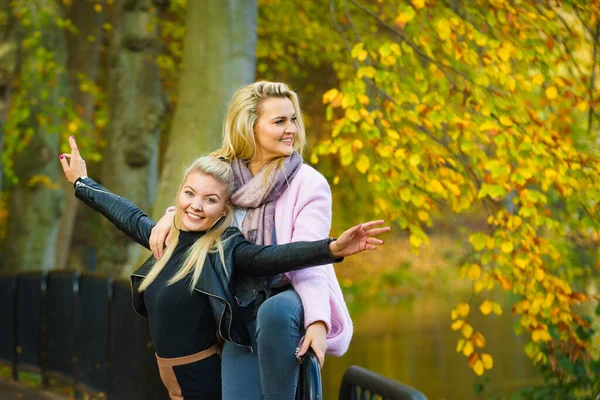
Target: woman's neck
{"type": "Point", "coordinates": [256, 165]}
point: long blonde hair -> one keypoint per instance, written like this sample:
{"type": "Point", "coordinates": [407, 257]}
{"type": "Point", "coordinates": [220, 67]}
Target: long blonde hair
{"type": "Point", "coordinates": [239, 140]}
{"type": "Point", "coordinates": [210, 242]}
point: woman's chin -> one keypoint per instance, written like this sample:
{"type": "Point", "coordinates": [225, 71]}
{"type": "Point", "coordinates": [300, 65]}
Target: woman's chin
{"type": "Point", "coordinates": [193, 227]}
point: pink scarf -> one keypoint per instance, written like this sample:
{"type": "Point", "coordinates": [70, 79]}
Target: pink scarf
{"type": "Point", "coordinates": [259, 199]}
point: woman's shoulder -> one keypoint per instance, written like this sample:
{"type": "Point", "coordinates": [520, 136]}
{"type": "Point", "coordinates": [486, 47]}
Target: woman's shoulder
{"type": "Point", "coordinates": [308, 175]}
{"type": "Point", "coordinates": [230, 232]}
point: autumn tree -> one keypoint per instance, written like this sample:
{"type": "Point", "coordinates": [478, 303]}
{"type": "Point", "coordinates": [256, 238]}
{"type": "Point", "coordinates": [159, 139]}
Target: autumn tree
{"type": "Point", "coordinates": [136, 109]}
{"type": "Point", "coordinates": [218, 58]}
{"type": "Point", "coordinates": [35, 119]}
{"type": "Point", "coordinates": [84, 31]}
{"type": "Point", "coordinates": [448, 106]}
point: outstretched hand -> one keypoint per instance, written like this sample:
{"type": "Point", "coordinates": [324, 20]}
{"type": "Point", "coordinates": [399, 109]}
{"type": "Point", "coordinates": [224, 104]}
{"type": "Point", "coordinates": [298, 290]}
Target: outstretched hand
{"type": "Point", "coordinates": [73, 165]}
{"type": "Point", "coordinates": [358, 238]}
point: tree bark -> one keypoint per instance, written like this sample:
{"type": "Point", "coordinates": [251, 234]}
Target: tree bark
{"type": "Point", "coordinates": [8, 62]}
{"type": "Point", "coordinates": [137, 104]}
{"type": "Point", "coordinates": [83, 58]}
{"type": "Point", "coordinates": [219, 57]}
{"type": "Point", "coordinates": [36, 202]}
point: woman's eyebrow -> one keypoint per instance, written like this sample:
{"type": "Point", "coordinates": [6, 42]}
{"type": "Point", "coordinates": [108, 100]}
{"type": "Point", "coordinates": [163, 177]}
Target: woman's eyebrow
{"type": "Point", "coordinates": [283, 116]}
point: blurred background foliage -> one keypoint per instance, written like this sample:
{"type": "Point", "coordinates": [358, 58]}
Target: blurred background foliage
{"type": "Point", "coordinates": [472, 126]}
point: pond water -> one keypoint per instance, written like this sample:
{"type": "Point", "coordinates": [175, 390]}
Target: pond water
{"type": "Point", "coordinates": [412, 342]}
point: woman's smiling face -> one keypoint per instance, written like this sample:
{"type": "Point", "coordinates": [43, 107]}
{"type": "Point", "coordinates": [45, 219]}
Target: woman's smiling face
{"type": "Point", "coordinates": [275, 129]}
{"type": "Point", "coordinates": [201, 202]}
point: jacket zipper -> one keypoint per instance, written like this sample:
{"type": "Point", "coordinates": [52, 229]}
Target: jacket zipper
{"type": "Point", "coordinates": [80, 183]}
{"type": "Point", "coordinates": [221, 318]}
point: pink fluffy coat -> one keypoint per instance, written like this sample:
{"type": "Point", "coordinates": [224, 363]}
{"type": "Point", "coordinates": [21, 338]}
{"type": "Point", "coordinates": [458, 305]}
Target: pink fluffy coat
{"type": "Point", "coordinates": [303, 213]}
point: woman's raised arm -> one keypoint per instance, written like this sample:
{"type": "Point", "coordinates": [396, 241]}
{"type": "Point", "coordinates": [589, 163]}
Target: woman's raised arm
{"type": "Point", "coordinates": [125, 215]}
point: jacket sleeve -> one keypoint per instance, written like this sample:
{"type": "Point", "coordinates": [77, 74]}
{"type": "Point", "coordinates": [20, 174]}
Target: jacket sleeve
{"type": "Point", "coordinates": [313, 221]}
{"type": "Point", "coordinates": [125, 215]}
{"type": "Point", "coordinates": [253, 260]}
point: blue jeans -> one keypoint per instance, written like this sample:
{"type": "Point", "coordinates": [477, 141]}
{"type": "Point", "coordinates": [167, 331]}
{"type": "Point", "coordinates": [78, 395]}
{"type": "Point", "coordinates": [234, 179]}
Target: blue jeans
{"type": "Point", "coordinates": [271, 372]}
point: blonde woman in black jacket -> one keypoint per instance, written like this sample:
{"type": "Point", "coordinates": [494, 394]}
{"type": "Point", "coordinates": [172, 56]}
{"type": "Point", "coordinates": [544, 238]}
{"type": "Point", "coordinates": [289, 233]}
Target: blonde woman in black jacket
{"type": "Point", "coordinates": [187, 294]}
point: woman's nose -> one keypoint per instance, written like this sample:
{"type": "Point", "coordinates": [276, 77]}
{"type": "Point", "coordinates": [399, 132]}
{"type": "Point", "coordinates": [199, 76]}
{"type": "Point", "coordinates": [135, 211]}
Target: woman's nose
{"type": "Point", "coordinates": [196, 204]}
{"type": "Point", "coordinates": [291, 127]}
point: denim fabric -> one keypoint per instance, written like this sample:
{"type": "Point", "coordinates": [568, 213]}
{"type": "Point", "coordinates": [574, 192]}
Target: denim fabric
{"type": "Point", "coordinates": [273, 367]}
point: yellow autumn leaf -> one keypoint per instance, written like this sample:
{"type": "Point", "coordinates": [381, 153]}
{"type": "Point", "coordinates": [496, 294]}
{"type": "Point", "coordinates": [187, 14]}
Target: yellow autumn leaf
{"type": "Point", "coordinates": [582, 105]}
{"type": "Point", "coordinates": [488, 361]}
{"type": "Point", "coordinates": [336, 180]}
{"type": "Point", "coordinates": [468, 348]}
{"type": "Point", "coordinates": [393, 134]}
{"type": "Point", "coordinates": [460, 345]}
{"type": "Point", "coordinates": [478, 367]}
{"type": "Point", "coordinates": [488, 126]}
{"type": "Point", "coordinates": [97, 7]}
{"type": "Point", "coordinates": [496, 308]}
{"type": "Point", "coordinates": [414, 160]}
{"type": "Point", "coordinates": [551, 92]}
{"type": "Point", "coordinates": [442, 27]}
{"type": "Point", "coordinates": [474, 272]}
{"type": "Point", "coordinates": [436, 187]}
{"type": "Point", "coordinates": [539, 274]}
{"type": "Point", "coordinates": [367, 71]}
{"type": "Point", "coordinates": [72, 126]}
{"type": "Point", "coordinates": [418, 4]}
{"type": "Point", "coordinates": [540, 335]}
{"type": "Point", "coordinates": [463, 309]}
{"type": "Point", "coordinates": [415, 241]}
{"type": "Point", "coordinates": [507, 247]}
{"type": "Point", "coordinates": [504, 120]}
{"type": "Point", "coordinates": [478, 339]}
{"type": "Point", "coordinates": [521, 262]}
{"type": "Point", "coordinates": [363, 163]}
{"type": "Point", "coordinates": [486, 307]}
{"type": "Point", "coordinates": [467, 330]}
{"type": "Point", "coordinates": [329, 95]}
{"type": "Point", "coordinates": [363, 99]}
{"type": "Point", "coordinates": [538, 79]}
{"type": "Point", "coordinates": [353, 115]}
{"type": "Point", "coordinates": [423, 215]}
{"type": "Point", "coordinates": [456, 325]}
{"type": "Point", "coordinates": [482, 79]}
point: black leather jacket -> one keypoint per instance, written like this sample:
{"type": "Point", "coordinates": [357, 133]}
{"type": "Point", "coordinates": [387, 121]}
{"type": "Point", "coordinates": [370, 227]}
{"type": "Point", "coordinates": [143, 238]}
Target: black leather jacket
{"type": "Point", "coordinates": [241, 257]}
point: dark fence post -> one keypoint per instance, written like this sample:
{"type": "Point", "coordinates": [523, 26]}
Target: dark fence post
{"type": "Point", "coordinates": [61, 325]}
{"type": "Point", "coordinates": [359, 383]}
{"type": "Point", "coordinates": [310, 386]}
{"type": "Point", "coordinates": [8, 337]}
{"type": "Point", "coordinates": [95, 295]}
{"type": "Point", "coordinates": [29, 324]}
{"type": "Point", "coordinates": [133, 369]}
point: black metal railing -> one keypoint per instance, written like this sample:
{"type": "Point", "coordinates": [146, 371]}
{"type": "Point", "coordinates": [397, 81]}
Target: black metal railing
{"type": "Point", "coordinates": [81, 329]}
{"type": "Point", "coordinates": [359, 383]}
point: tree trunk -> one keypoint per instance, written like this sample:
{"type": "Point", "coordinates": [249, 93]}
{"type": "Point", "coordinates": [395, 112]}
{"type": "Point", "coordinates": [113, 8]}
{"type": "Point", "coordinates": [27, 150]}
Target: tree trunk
{"type": "Point", "coordinates": [8, 62]}
{"type": "Point", "coordinates": [219, 57]}
{"type": "Point", "coordinates": [36, 201]}
{"type": "Point", "coordinates": [130, 163]}
{"type": "Point", "coordinates": [83, 58]}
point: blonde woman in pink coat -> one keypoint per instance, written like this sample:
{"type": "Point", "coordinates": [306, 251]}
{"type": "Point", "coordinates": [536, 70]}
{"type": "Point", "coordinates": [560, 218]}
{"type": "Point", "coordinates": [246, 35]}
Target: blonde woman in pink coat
{"type": "Point", "coordinates": [278, 199]}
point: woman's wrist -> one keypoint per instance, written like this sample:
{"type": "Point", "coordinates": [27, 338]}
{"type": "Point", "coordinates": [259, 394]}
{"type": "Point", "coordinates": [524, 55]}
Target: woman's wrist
{"type": "Point", "coordinates": [332, 248]}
